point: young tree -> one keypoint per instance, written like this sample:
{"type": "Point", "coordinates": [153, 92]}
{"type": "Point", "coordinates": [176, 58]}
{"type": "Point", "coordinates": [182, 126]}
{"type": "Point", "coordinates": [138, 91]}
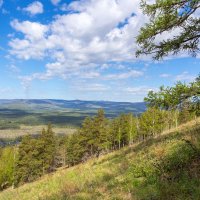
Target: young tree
{"type": "Point", "coordinates": [195, 94]}
{"type": "Point", "coordinates": [151, 122]}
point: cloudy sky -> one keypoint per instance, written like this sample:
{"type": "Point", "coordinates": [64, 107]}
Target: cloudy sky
{"type": "Point", "coordinates": [84, 49]}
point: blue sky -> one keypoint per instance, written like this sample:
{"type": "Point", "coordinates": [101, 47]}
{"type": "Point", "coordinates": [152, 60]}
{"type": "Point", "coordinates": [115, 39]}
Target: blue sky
{"type": "Point", "coordinates": [84, 49]}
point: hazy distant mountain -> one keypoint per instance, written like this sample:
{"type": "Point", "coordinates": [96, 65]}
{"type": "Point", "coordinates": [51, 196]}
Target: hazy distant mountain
{"type": "Point", "coordinates": [61, 112]}
{"type": "Point", "coordinates": [73, 104]}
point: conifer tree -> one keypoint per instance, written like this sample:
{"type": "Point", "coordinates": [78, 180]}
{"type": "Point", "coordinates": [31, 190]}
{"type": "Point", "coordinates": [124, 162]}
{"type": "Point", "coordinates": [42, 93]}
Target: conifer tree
{"type": "Point", "coordinates": [86, 136]}
{"type": "Point", "coordinates": [29, 164]}
{"type": "Point", "coordinates": [48, 147]}
{"type": "Point", "coordinates": [164, 17]}
{"type": "Point", "coordinates": [74, 150]}
{"type": "Point", "coordinates": [99, 130]}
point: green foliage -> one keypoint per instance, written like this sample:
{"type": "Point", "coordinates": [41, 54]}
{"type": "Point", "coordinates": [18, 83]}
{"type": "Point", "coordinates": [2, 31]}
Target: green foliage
{"type": "Point", "coordinates": [167, 16]}
{"type": "Point", "coordinates": [29, 164]}
{"type": "Point", "coordinates": [74, 150]}
{"type": "Point", "coordinates": [7, 163]}
{"type": "Point", "coordinates": [152, 122]}
{"type": "Point", "coordinates": [47, 144]}
{"type": "Point", "coordinates": [181, 97]}
{"type": "Point", "coordinates": [160, 168]}
{"type": "Point", "coordinates": [35, 156]}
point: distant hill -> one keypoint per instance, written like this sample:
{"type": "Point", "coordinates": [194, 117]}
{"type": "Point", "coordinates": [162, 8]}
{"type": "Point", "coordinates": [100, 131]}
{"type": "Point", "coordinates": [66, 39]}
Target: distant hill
{"type": "Point", "coordinates": [49, 104]}
{"type": "Point", "coordinates": [59, 112]}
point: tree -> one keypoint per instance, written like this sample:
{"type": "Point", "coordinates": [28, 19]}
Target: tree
{"type": "Point", "coordinates": [195, 94]}
{"type": "Point", "coordinates": [167, 16]}
{"type": "Point", "coordinates": [47, 144]}
{"type": "Point", "coordinates": [29, 165]}
{"type": "Point", "coordinates": [74, 149]}
{"type": "Point", "coordinates": [87, 137]}
{"type": "Point", "coordinates": [7, 162]}
{"type": "Point", "coordinates": [99, 132]}
{"type": "Point", "coordinates": [169, 98]}
{"type": "Point", "coordinates": [152, 122]}
{"type": "Point", "coordinates": [35, 156]}
{"type": "Point", "coordinates": [114, 132]}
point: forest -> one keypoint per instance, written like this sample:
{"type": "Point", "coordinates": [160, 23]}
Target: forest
{"type": "Point", "coordinates": [98, 135]}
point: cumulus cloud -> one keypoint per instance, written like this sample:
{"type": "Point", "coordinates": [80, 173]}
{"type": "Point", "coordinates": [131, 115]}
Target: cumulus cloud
{"type": "Point", "coordinates": [34, 8]}
{"type": "Point", "coordinates": [86, 38]}
{"type": "Point", "coordinates": [126, 75]}
{"type": "Point", "coordinates": [33, 43]}
{"type": "Point", "coordinates": [185, 76]}
{"type": "Point", "coordinates": [165, 75]}
{"type": "Point", "coordinates": [55, 2]}
{"type": "Point", "coordinates": [1, 3]}
{"type": "Point", "coordinates": [142, 90]}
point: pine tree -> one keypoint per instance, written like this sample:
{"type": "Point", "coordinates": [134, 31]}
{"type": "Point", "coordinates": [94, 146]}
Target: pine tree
{"type": "Point", "coordinates": [74, 150]}
{"type": "Point", "coordinates": [166, 16]}
{"type": "Point", "coordinates": [47, 145]}
{"type": "Point", "coordinates": [29, 164]}
{"type": "Point", "coordinates": [99, 131]}
{"type": "Point", "coordinates": [86, 136]}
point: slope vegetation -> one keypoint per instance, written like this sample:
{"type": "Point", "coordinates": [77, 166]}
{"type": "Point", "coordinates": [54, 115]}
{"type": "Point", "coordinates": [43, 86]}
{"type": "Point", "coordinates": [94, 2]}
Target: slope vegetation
{"type": "Point", "coordinates": [164, 167]}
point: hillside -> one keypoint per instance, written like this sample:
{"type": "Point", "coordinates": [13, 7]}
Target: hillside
{"type": "Point", "coordinates": [30, 112]}
{"type": "Point", "coordinates": [164, 167]}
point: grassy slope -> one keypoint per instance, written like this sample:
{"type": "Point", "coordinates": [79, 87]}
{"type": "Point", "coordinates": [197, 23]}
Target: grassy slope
{"type": "Point", "coordinates": [130, 173]}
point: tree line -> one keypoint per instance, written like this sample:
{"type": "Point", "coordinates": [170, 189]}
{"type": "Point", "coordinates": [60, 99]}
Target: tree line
{"type": "Point", "coordinates": [34, 157]}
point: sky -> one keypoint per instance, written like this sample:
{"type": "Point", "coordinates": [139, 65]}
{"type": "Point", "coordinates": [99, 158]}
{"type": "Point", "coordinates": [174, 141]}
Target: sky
{"type": "Point", "coordinates": [83, 49]}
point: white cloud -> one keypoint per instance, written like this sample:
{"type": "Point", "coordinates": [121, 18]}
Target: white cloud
{"type": "Point", "coordinates": [185, 76]}
{"type": "Point", "coordinates": [165, 75]}
{"type": "Point", "coordinates": [34, 8]}
{"type": "Point", "coordinates": [14, 69]}
{"type": "Point", "coordinates": [33, 44]}
{"type": "Point", "coordinates": [55, 2]}
{"type": "Point", "coordinates": [126, 75]}
{"type": "Point", "coordinates": [91, 87]}
{"type": "Point", "coordinates": [1, 3]}
{"type": "Point", "coordinates": [142, 90]}
{"type": "Point", "coordinates": [85, 39]}
{"type": "Point", "coordinates": [31, 30]}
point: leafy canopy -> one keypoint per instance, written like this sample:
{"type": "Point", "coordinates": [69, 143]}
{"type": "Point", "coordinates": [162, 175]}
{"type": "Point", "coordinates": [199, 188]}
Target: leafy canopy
{"type": "Point", "coordinates": [166, 17]}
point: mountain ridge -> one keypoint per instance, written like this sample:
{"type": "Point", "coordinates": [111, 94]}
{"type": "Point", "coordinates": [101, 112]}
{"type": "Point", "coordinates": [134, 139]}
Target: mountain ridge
{"type": "Point", "coordinates": [60, 112]}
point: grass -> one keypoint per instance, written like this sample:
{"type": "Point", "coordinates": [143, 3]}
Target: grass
{"type": "Point", "coordinates": [165, 167]}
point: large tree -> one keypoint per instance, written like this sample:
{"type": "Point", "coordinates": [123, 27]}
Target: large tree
{"type": "Point", "coordinates": [166, 17]}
